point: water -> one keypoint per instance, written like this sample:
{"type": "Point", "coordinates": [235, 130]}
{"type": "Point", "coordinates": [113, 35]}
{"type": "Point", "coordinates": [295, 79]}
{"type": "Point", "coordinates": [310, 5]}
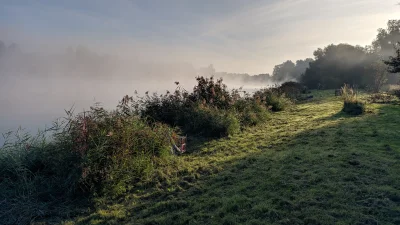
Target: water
{"type": "Point", "coordinates": [33, 102]}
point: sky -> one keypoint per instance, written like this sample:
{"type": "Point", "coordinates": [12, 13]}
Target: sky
{"type": "Point", "coordinates": [241, 36]}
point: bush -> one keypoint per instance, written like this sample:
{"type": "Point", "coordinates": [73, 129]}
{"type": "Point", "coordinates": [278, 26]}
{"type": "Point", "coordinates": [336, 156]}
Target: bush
{"type": "Point", "coordinates": [209, 122]}
{"type": "Point", "coordinates": [293, 90]}
{"type": "Point", "coordinates": [117, 150]}
{"type": "Point", "coordinates": [213, 93]}
{"type": "Point", "coordinates": [354, 108]}
{"type": "Point", "coordinates": [272, 99]}
{"type": "Point", "coordinates": [250, 113]}
{"type": "Point", "coordinates": [210, 110]}
{"type": "Point", "coordinates": [351, 104]}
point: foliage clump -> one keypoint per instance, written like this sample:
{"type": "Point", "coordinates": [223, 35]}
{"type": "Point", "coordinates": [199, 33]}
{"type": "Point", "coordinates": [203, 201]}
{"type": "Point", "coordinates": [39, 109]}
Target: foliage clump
{"type": "Point", "coordinates": [117, 150]}
{"type": "Point", "coordinates": [89, 154]}
{"type": "Point", "coordinates": [273, 98]}
{"type": "Point", "coordinates": [293, 90]}
{"type": "Point", "coordinates": [352, 105]}
{"type": "Point", "coordinates": [210, 110]}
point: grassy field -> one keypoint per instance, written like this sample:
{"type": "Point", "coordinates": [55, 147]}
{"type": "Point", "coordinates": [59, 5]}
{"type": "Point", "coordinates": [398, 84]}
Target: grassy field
{"type": "Point", "coordinates": [309, 165]}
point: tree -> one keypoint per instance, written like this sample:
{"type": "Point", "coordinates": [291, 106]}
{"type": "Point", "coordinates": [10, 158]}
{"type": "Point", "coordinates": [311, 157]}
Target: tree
{"type": "Point", "coordinates": [380, 75]}
{"type": "Point", "coordinates": [338, 64]}
{"type": "Point", "coordinates": [301, 67]}
{"type": "Point", "coordinates": [386, 38]}
{"type": "Point", "coordinates": [394, 62]}
{"type": "Point", "coordinates": [288, 71]}
{"type": "Point", "coordinates": [284, 71]}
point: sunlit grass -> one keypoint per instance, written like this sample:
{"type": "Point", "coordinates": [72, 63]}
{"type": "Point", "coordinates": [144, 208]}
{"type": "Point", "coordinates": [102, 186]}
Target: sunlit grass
{"type": "Point", "coordinates": [310, 165]}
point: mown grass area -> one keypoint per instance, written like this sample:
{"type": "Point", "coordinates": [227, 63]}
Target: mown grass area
{"type": "Point", "coordinates": [312, 164]}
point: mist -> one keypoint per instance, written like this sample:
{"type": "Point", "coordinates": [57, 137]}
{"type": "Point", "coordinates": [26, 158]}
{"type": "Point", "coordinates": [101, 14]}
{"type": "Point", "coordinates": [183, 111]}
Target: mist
{"type": "Point", "coordinates": [36, 87]}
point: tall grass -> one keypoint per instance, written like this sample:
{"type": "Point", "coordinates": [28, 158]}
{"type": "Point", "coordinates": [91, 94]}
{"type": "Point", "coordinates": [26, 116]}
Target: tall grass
{"type": "Point", "coordinates": [352, 105]}
{"type": "Point", "coordinates": [90, 154]}
{"type": "Point", "coordinates": [37, 178]}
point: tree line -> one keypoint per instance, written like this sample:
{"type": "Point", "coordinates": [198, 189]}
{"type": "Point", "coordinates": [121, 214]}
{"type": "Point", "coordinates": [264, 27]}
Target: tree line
{"type": "Point", "coordinates": [368, 67]}
{"type": "Point", "coordinates": [364, 67]}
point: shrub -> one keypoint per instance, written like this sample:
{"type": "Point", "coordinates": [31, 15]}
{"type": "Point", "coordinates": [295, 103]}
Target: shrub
{"type": "Point", "coordinates": [354, 108]}
{"type": "Point", "coordinates": [116, 149]}
{"type": "Point", "coordinates": [210, 110]}
{"type": "Point", "coordinates": [272, 99]}
{"type": "Point", "coordinates": [212, 93]}
{"type": "Point", "coordinates": [250, 113]}
{"type": "Point", "coordinates": [209, 122]}
{"type": "Point", "coordinates": [293, 90]}
{"type": "Point", "coordinates": [163, 108]}
{"type": "Point", "coordinates": [351, 105]}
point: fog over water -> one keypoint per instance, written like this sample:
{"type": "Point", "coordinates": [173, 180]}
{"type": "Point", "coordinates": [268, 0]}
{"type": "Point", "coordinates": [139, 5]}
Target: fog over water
{"type": "Point", "coordinates": [36, 88]}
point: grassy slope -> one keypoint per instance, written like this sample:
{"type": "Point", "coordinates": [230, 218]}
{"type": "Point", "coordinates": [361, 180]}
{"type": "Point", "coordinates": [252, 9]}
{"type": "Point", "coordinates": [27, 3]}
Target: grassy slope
{"type": "Point", "coordinates": [310, 165]}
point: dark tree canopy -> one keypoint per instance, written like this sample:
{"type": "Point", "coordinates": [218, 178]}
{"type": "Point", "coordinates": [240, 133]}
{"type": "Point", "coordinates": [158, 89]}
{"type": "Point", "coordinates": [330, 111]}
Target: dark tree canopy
{"type": "Point", "coordinates": [384, 46]}
{"type": "Point", "coordinates": [338, 64]}
{"type": "Point", "coordinates": [394, 61]}
{"type": "Point", "coordinates": [301, 67]}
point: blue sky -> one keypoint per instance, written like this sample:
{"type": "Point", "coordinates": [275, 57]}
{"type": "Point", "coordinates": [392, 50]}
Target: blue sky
{"type": "Point", "coordinates": [234, 35]}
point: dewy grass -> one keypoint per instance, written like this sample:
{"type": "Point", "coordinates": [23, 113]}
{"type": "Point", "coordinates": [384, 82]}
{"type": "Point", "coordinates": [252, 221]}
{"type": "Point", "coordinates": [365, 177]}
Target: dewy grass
{"type": "Point", "coordinates": [310, 165]}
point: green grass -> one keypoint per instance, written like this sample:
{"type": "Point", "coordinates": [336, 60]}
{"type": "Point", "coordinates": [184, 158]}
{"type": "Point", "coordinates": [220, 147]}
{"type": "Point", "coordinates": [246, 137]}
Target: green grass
{"type": "Point", "coordinates": [312, 164]}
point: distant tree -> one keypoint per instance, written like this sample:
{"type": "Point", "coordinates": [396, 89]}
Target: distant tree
{"type": "Point", "coordinates": [394, 61]}
{"type": "Point", "coordinates": [301, 67]}
{"type": "Point", "coordinates": [380, 71]}
{"type": "Point", "coordinates": [338, 64]}
{"type": "Point", "coordinates": [284, 71]}
{"type": "Point", "coordinates": [244, 78]}
{"type": "Point", "coordinates": [289, 71]}
{"type": "Point", "coordinates": [386, 38]}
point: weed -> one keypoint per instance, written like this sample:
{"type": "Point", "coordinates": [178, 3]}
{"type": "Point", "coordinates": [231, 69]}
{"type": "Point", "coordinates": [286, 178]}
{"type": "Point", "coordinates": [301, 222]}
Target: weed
{"type": "Point", "coordinates": [351, 105]}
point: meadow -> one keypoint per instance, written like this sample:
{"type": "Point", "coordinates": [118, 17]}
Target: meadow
{"type": "Point", "coordinates": [312, 164]}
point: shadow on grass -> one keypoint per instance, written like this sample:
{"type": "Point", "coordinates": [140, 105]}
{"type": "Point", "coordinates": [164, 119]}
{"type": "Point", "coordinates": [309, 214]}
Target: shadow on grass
{"type": "Point", "coordinates": [336, 172]}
